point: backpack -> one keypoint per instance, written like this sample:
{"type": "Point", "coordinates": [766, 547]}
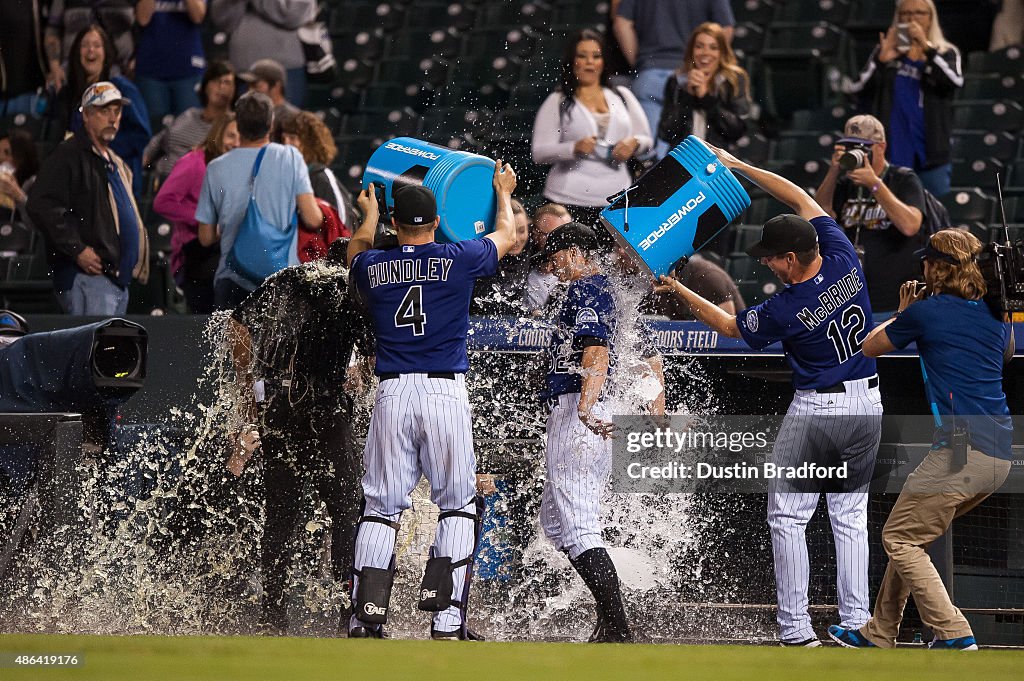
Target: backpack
{"type": "Point", "coordinates": [936, 217]}
{"type": "Point", "coordinates": [313, 243]}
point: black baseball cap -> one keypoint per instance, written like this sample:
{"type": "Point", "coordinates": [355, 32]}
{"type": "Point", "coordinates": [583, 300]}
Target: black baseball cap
{"type": "Point", "coordinates": [568, 235]}
{"type": "Point", "coordinates": [414, 205]}
{"type": "Point", "coordinates": [784, 234]}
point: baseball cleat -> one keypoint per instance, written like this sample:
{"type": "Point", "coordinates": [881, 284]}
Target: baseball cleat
{"type": "Point", "coordinates": [849, 638]}
{"type": "Point", "coordinates": [367, 632]}
{"type": "Point", "coordinates": [806, 643]}
{"type": "Point", "coordinates": [962, 643]}
{"type": "Point", "coordinates": [455, 635]}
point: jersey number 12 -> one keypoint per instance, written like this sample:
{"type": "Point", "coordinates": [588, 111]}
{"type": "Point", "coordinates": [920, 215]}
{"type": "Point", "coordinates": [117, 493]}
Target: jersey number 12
{"type": "Point", "coordinates": [410, 311]}
{"type": "Point", "coordinates": [844, 336]}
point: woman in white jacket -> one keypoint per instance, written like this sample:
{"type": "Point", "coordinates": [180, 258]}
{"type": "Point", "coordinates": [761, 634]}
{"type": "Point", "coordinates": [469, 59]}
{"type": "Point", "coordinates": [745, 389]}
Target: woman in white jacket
{"type": "Point", "coordinates": [587, 130]}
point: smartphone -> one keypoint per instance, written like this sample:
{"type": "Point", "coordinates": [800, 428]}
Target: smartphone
{"type": "Point", "coordinates": [903, 37]}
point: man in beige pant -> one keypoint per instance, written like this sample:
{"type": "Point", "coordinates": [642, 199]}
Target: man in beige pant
{"type": "Point", "coordinates": [960, 343]}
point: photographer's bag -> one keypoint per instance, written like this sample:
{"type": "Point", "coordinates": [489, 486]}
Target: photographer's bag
{"type": "Point", "coordinates": [262, 248]}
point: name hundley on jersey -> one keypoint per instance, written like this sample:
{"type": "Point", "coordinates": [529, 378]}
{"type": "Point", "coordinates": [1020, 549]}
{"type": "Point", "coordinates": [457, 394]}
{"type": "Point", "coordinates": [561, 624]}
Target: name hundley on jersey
{"type": "Point", "coordinates": [408, 271]}
{"type": "Point", "coordinates": [831, 300]}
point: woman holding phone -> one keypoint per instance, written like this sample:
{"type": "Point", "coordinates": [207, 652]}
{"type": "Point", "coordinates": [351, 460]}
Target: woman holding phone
{"type": "Point", "coordinates": [909, 83]}
{"type": "Point", "coordinates": [709, 94]}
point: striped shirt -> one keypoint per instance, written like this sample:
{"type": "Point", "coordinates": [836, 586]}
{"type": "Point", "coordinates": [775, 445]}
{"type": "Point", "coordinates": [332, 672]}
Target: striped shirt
{"type": "Point", "coordinates": [184, 134]}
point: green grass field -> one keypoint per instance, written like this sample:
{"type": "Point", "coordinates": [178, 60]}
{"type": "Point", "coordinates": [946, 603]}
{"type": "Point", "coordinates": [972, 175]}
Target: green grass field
{"type": "Point", "coordinates": [141, 658]}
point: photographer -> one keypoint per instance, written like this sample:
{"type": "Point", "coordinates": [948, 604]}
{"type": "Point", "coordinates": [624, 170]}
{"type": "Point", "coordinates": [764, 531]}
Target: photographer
{"type": "Point", "coordinates": [963, 348]}
{"type": "Point", "coordinates": [880, 207]}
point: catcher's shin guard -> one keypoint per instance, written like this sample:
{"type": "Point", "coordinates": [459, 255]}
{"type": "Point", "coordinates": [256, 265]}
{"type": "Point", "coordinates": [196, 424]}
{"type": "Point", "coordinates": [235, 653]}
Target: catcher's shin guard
{"type": "Point", "coordinates": [371, 591]}
{"type": "Point", "coordinates": [437, 586]}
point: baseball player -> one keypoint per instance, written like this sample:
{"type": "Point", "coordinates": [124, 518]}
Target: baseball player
{"type": "Point", "coordinates": [578, 453]}
{"type": "Point", "coordinates": [418, 295]}
{"type": "Point", "coordinates": [821, 316]}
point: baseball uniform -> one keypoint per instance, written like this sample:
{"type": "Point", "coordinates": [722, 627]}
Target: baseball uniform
{"type": "Point", "coordinates": [834, 418]}
{"type": "Point", "coordinates": [419, 296]}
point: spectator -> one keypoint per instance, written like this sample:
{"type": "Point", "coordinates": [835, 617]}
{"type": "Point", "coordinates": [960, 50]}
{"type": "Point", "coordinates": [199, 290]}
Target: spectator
{"type": "Point", "coordinates": [502, 294]}
{"type": "Point", "coordinates": [192, 264]}
{"type": "Point", "coordinates": [169, 61]}
{"type": "Point", "coordinates": [709, 94]}
{"type": "Point", "coordinates": [281, 187]}
{"type": "Point", "coordinates": [588, 131]}
{"type": "Point", "coordinates": [541, 281]}
{"type": "Point", "coordinates": [910, 88]}
{"type": "Point", "coordinates": [262, 29]}
{"type": "Point", "coordinates": [269, 77]}
{"type": "Point", "coordinates": [653, 35]}
{"type": "Point", "coordinates": [92, 56]}
{"type": "Point", "coordinates": [21, 58]}
{"type": "Point", "coordinates": [1008, 26]}
{"type": "Point", "coordinates": [19, 163]}
{"type": "Point", "coordinates": [68, 18]}
{"type": "Point", "coordinates": [313, 139]}
{"type": "Point", "coordinates": [216, 95]}
{"type": "Point", "coordinates": [82, 204]}
{"type": "Point", "coordinates": [706, 278]}
{"type": "Point", "coordinates": [880, 206]}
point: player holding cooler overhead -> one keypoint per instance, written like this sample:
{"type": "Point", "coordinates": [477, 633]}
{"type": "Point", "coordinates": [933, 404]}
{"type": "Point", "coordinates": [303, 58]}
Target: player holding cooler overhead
{"type": "Point", "coordinates": [419, 294]}
{"type": "Point", "coordinates": [822, 317]}
{"type": "Point", "coordinates": [577, 451]}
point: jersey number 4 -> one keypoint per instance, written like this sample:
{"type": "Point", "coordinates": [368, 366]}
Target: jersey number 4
{"type": "Point", "coordinates": [845, 333]}
{"type": "Point", "coordinates": [410, 311]}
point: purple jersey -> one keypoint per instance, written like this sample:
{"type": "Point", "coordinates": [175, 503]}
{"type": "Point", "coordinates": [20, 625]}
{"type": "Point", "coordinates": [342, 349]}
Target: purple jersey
{"type": "Point", "coordinates": [587, 316]}
{"type": "Point", "coordinates": [419, 300]}
{"type": "Point", "coordinates": [821, 322]}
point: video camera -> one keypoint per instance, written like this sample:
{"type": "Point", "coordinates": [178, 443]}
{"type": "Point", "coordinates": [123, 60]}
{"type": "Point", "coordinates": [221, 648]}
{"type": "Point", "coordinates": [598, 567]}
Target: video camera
{"type": "Point", "coordinates": [1002, 266]}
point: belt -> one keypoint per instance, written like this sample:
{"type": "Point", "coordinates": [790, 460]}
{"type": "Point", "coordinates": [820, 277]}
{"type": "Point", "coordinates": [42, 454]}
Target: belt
{"type": "Point", "coordinates": [450, 375]}
{"type": "Point", "coordinates": [840, 388]}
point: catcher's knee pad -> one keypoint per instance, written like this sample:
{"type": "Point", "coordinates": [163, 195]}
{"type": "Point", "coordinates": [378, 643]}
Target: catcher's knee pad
{"type": "Point", "coordinates": [372, 598]}
{"type": "Point", "coordinates": [438, 581]}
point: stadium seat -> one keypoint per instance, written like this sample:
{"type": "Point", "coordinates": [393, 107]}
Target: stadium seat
{"type": "Point", "coordinates": [757, 291]}
{"type": "Point", "coordinates": [992, 86]}
{"type": "Point", "coordinates": [457, 15]}
{"type": "Point", "coordinates": [15, 238]}
{"type": "Point", "coordinates": [804, 147]}
{"type": "Point", "coordinates": [514, 124]}
{"type": "Point", "coordinates": [978, 172]}
{"type": "Point", "coordinates": [757, 12]}
{"type": "Point", "coordinates": [383, 95]}
{"type": "Point", "coordinates": [1008, 61]}
{"type": "Point", "coordinates": [417, 44]}
{"type": "Point", "coordinates": [753, 148]}
{"type": "Point", "coordinates": [354, 73]}
{"type": "Point", "coordinates": [528, 95]}
{"type": "Point", "coordinates": [394, 123]}
{"type": "Point", "coordinates": [583, 14]}
{"type": "Point", "coordinates": [764, 208]}
{"type": "Point", "coordinates": [801, 40]}
{"type": "Point", "coordinates": [998, 116]}
{"type": "Point", "coordinates": [520, 42]}
{"type": "Point", "coordinates": [33, 126]}
{"type": "Point", "coordinates": [871, 16]}
{"type": "Point", "coordinates": [745, 236]}
{"type": "Point", "coordinates": [159, 231]}
{"type": "Point", "coordinates": [971, 145]}
{"type": "Point", "coordinates": [535, 14]}
{"type": "Point", "coordinates": [430, 70]}
{"type": "Point", "coordinates": [474, 95]}
{"type": "Point", "coordinates": [829, 119]}
{"type": "Point", "coordinates": [366, 45]}
{"type": "Point", "coordinates": [833, 11]}
{"type": "Point", "coordinates": [968, 205]}
{"type": "Point", "coordinates": [386, 15]}
{"type": "Point", "coordinates": [805, 173]}
{"type": "Point", "coordinates": [748, 40]}
{"type": "Point", "coordinates": [353, 153]}
{"type": "Point", "coordinates": [742, 267]}
{"type": "Point", "coordinates": [1016, 178]}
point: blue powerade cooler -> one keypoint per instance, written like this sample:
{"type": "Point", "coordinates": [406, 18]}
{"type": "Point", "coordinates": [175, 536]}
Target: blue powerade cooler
{"type": "Point", "coordinates": [461, 182]}
{"type": "Point", "coordinates": [675, 208]}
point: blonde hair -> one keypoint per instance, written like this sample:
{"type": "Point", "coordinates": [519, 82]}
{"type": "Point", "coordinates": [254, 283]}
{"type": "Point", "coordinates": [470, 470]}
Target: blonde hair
{"type": "Point", "coordinates": [965, 279]}
{"type": "Point", "coordinates": [555, 209]}
{"type": "Point", "coordinates": [935, 35]}
{"type": "Point", "coordinates": [728, 66]}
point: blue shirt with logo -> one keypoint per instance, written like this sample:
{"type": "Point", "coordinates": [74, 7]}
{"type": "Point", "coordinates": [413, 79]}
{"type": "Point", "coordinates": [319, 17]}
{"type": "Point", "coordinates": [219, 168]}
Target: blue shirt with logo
{"type": "Point", "coordinates": [586, 316]}
{"type": "Point", "coordinates": [907, 146]}
{"type": "Point", "coordinates": [419, 300]}
{"type": "Point", "coordinates": [821, 322]}
{"type": "Point", "coordinates": [961, 345]}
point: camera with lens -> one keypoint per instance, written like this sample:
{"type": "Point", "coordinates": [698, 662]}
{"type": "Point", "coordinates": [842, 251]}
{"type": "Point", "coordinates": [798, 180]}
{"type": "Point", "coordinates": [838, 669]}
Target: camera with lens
{"type": "Point", "coordinates": [1002, 266]}
{"type": "Point", "coordinates": [855, 156]}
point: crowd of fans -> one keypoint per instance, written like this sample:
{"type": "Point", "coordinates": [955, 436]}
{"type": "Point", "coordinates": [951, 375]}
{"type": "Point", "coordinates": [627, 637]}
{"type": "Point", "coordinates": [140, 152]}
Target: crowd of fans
{"type": "Point", "coordinates": [597, 131]}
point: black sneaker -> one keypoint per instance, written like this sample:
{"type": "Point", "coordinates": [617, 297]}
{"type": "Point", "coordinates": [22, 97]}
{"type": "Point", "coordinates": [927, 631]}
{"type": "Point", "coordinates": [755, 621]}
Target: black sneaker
{"type": "Point", "coordinates": [808, 643]}
{"type": "Point", "coordinates": [455, 635]}
{"type": "Point", "coordinates": [368, 632]}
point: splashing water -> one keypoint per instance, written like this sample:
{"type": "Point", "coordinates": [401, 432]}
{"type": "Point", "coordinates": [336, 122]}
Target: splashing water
{"type": "Point", "coordinates": [169, 542]}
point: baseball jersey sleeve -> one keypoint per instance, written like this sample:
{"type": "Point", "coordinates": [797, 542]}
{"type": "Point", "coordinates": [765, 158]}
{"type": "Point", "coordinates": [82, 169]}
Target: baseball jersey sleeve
{"type": "Point", "coordinates": [831, 238]}
{"type": "Point", "coordinates": [627, 9]}
{"type": "Point", "coordinates": [909, 325]}
{"type": "Point", "coordinates": [763, 324]}
{"type": "Point", "coordinates": [479, 258]}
